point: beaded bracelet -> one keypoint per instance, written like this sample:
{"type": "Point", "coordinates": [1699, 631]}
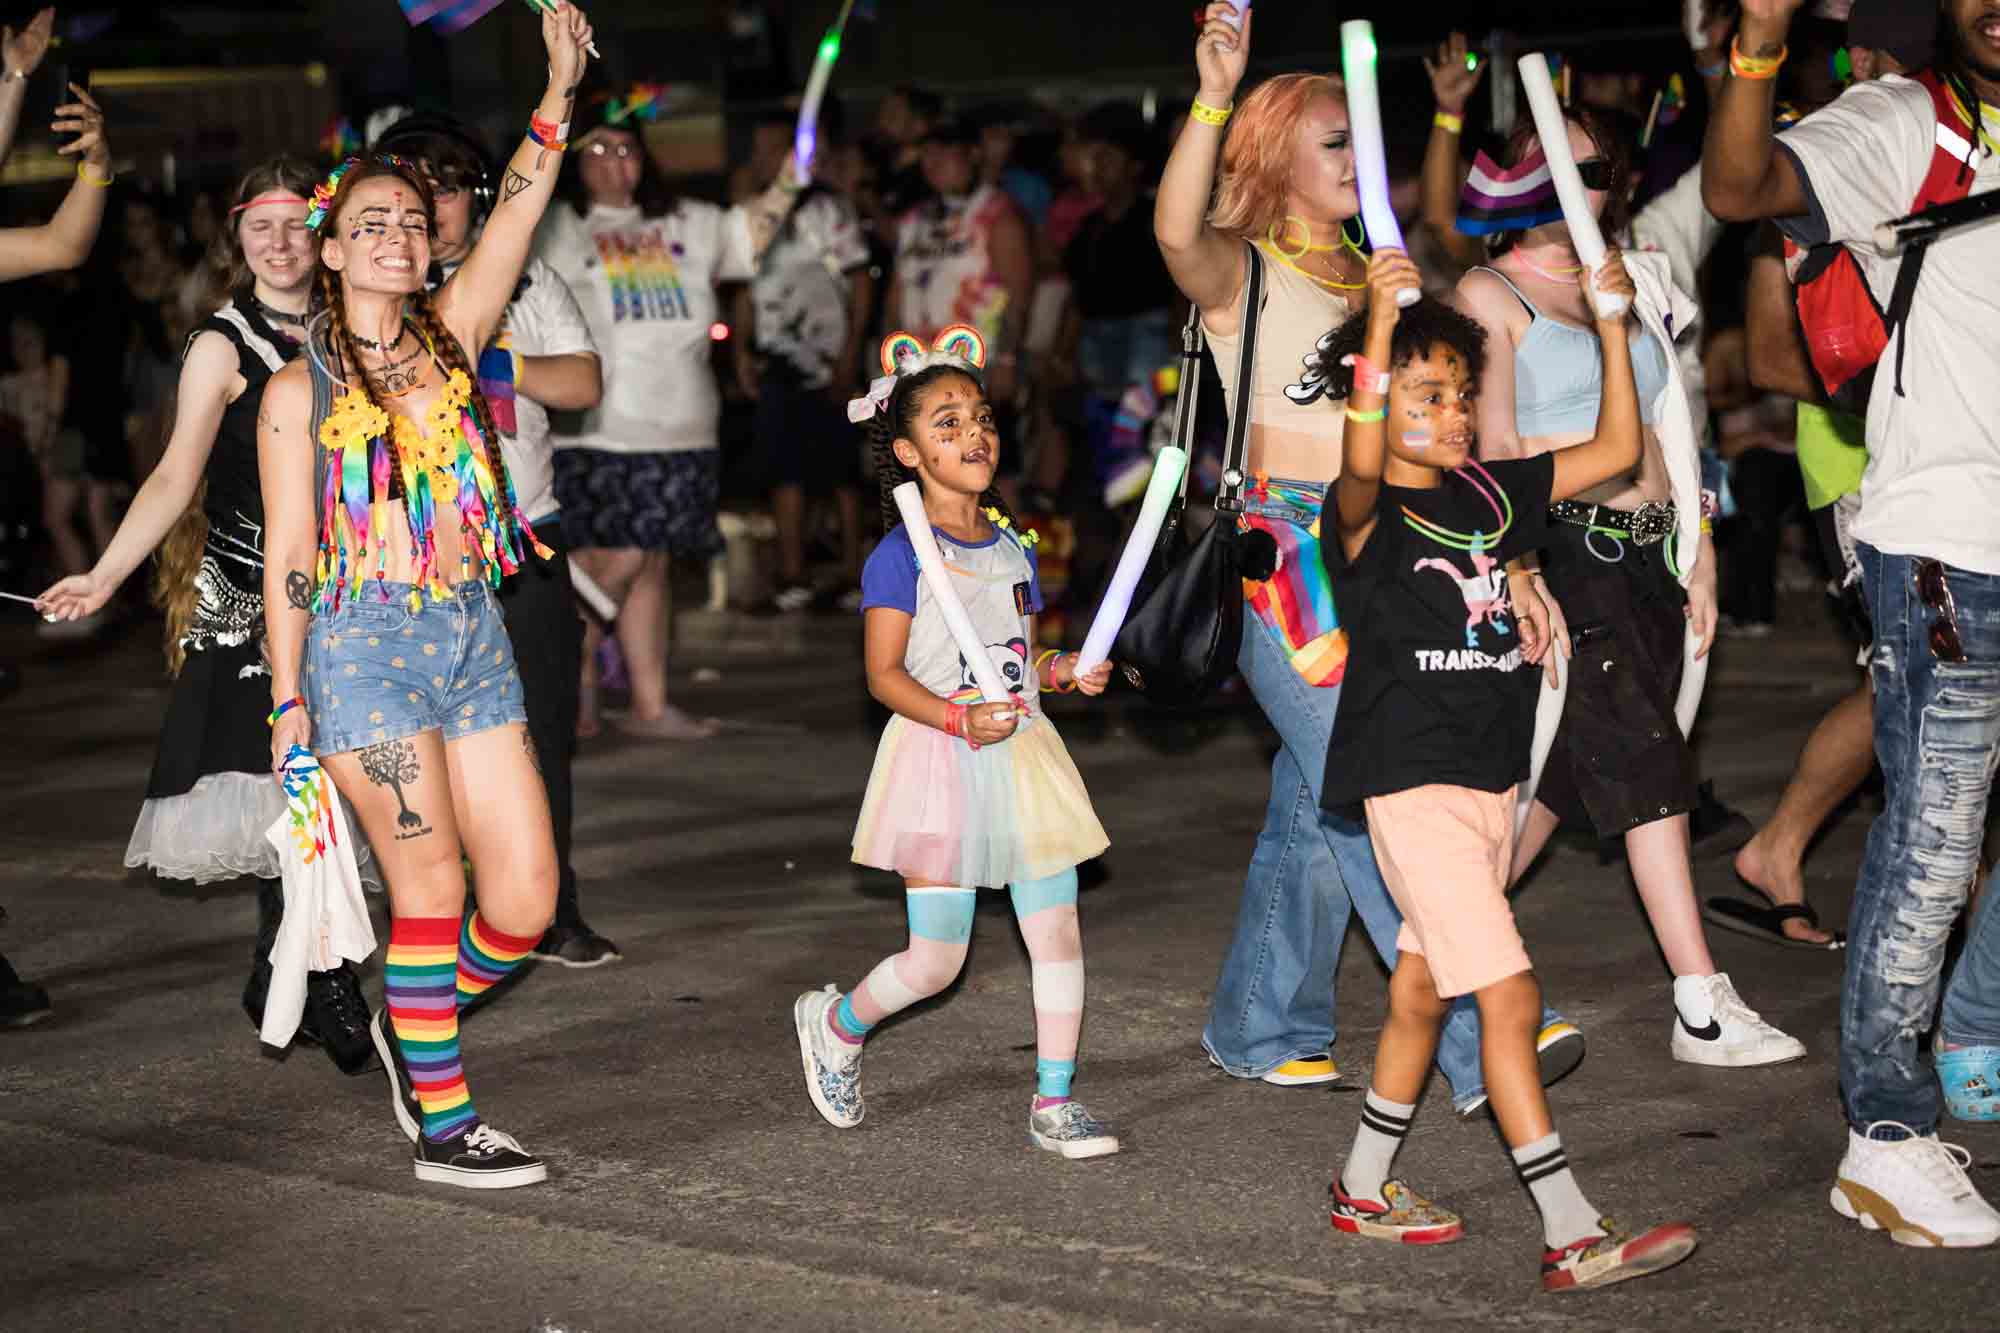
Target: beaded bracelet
{"type": "Point", "coordinates": [1363, 418]}
{"type": "Point", "coordinates": [1756, 68]}
{"type": "Point", "coordinates": [296, 701]}
{"type": "Point", "coordinates": [1444, 120]}
{"type": "Point", "coordinates": [1211, 115]}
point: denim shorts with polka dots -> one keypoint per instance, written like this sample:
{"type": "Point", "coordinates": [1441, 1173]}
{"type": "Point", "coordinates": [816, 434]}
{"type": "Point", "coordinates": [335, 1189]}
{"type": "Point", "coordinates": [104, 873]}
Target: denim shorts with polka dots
{"type": "Point", "coordinates": [377, 671]}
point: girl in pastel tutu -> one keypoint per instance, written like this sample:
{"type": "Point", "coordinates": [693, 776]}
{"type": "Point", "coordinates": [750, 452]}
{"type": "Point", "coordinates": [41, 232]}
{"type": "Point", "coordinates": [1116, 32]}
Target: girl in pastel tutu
{"type": "Point", "coordinates": [964, 794]}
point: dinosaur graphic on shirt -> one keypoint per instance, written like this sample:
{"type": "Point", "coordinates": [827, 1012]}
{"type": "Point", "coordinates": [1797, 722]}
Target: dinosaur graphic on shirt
{"type": "Point", "coordinates": [1485, 593]}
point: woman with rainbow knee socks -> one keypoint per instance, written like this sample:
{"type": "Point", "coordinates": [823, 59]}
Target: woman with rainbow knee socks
{"type": "Point", "coordinates": [964, 793]}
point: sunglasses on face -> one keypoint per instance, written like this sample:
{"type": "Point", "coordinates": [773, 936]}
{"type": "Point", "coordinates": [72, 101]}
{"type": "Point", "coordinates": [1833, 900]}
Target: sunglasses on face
{"type": "Point", "coordinates": [1596, 173]}
{"type": "Point", "coordinates": [1935, 594]}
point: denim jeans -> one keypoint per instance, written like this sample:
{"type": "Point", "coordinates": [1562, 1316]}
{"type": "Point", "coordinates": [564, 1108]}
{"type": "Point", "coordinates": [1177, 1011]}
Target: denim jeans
{"type": "Point", "coordinates": [1310, 872]}
{"type": "Point", "coordinates": [1937, 737]}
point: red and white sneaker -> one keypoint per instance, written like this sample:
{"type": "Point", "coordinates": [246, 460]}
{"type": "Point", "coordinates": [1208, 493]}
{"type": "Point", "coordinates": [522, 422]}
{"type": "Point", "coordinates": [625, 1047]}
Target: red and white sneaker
{"type": "Point", "coordinates": [1400, 1214]}
{"type": "Point", "coordinates": [1599, 1261]}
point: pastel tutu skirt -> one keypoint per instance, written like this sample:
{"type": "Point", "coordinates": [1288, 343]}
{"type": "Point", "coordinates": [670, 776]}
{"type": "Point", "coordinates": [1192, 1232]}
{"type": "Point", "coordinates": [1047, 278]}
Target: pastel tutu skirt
{"type": "Point", "coordinates": [941, 811]}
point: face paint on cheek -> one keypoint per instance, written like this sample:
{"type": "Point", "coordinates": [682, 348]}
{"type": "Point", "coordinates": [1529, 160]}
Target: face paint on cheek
{"type": "Point", "coordinates": [1418, 439]}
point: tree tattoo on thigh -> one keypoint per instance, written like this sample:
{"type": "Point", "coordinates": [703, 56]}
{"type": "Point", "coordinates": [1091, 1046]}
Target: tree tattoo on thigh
{"type": "Point", "coordinates": [391, 764]}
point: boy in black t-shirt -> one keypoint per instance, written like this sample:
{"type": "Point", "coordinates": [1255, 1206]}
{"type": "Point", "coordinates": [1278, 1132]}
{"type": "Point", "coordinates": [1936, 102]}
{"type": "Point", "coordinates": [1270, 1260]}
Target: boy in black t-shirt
{"type": "Point", "coordinates": [1432, 733]}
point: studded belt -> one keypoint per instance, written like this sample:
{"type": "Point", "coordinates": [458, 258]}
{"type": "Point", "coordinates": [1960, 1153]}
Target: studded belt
{"type": "Point", "coordinates": [1649, 524]}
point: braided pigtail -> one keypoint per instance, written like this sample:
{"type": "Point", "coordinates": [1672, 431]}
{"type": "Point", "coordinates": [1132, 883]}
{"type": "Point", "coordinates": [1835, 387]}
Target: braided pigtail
{"type": "Point", "coordinates": [889, 469]}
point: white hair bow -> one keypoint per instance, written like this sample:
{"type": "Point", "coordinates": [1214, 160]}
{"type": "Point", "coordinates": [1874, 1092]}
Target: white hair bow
{"type": "Point", "coordinates": [877, 397]}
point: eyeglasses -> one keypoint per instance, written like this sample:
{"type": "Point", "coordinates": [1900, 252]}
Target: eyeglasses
{"type": "Point", "coordinates": [1596, 173]}
{"type": "Point", "coordinates": [1935, 594]}
{"type": "Point", "coordinates": [621, 151]}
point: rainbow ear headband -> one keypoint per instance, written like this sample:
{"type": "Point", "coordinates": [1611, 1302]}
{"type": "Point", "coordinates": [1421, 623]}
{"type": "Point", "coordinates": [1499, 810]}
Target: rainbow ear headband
{"type": "Point", "coordinates": [322, 195]}
{"type": "Point", "coordinates": [959, 345]}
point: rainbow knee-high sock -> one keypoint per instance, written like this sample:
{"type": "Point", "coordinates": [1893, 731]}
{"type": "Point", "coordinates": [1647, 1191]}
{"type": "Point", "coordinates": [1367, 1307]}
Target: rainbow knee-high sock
{"type": "Point", "coordinates": [420, 973]}
{"type": "Point", "coordinates": [486, 956]}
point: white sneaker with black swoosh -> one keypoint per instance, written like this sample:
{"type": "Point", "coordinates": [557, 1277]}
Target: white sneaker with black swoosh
{"type": "Point", "coordinates": [1734, 1036]}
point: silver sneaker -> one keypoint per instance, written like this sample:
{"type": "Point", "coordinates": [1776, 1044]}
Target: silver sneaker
{"type": "Point", "coordinates": [833, 1068]}
{"type": "Point", "coordinates": [1068, 1129]}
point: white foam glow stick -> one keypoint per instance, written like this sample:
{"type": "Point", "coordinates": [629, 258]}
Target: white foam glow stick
{"type": "Point", "coordinates": [1552, 128]}
{"type": "Point", "coordinates": [1117, 603]}
{"type": "Point", "coordinates": [910, 503]}
{"type": "Point", "coordinates": [1548, 720]}
{"type": "Point", "coordinates": [806, 141]}
{"type": "Point", "coordinates": [1694, 677]}
{"type": "Point", "coordinates": [1364, 127]}
{"type": "Point", "coordinates": [1696, 21]}
{"type": "Point", "coordinates": [1236, 20]}
{"type": "Point", "coordinates": [592, 593]}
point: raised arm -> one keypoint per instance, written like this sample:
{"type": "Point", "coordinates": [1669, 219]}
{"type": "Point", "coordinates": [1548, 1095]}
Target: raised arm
{"type": "Point", "coordinates": [207, 376]}
{"type": "Point", "coordinates": [1487, 300]}
{"type": "Point", "coordinates": [1778, 360]}
{"type": "Point", "coordinates": [1364, 443]}
{"type": "Point", "coordinates": [21, 53]}
{"type": "Point", "coordinates": [1454, 78]}
{"type": "Point", "coordinates": [1207, 265]}
{"type": "Point", "coordinates": [1743, 176]}
{"type": "Point", "coordinates": [1615, 449]}
{"type": "Point", "coordinates": [64, 241]}
{"type": "Point", "coordinates": [473, 303]}
{"type": "Point", "coordinates": [285, 454]}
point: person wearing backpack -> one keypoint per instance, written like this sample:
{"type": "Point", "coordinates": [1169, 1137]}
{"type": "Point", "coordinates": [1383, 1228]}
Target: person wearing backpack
{"type": "Point", "coordinates": [1883, 37]}
{"type": "Point", "coordinates": [1929, 551]}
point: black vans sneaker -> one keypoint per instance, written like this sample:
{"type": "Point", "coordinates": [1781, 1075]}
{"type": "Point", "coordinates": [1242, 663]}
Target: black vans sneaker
{"type": "Point", "coordinates": [340, 1018]}
{"type": "Point", "coordinates": [482, 1158]}
{"type": "Point", "coordinates": [402, 1096]}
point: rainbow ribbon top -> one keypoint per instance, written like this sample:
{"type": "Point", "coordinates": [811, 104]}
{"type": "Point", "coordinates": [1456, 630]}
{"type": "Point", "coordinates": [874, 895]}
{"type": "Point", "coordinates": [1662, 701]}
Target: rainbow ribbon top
{"type": "Point", "coordinates": [441, 461]}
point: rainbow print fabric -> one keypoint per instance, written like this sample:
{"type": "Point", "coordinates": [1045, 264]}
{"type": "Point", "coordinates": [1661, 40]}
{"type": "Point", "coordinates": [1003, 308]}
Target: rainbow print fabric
{"type": "Point", "coordinates": [644, 275]}
{"type": "Point", "coordinates": [1296, 602]}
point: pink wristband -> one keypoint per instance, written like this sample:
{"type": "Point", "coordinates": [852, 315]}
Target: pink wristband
{"type": "Point", "coordinates": [1367, 379]}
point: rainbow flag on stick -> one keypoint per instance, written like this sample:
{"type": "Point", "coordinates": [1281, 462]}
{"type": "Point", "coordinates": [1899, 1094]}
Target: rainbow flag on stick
{"type": "Point", "coordinates": [448, 15]}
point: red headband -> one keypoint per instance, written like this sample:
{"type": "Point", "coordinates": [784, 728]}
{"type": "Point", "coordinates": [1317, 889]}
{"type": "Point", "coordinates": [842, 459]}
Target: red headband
{"type": "Point", "coordinates": [269, 199]}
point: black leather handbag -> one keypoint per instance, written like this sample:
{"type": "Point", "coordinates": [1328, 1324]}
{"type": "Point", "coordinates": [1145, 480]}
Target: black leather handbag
{"type": "Point", "coordinates": [1181, 639]}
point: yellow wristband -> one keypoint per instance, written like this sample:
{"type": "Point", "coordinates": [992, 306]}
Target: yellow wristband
{"type": "Point", "coordinates": [1444, 120]}
{"type": "Point", "coordinates": [1364, 418]}
{"type": "Point", "coordinates": [104, 184]}
{"type": "Point", "coordinates": [1708, 527]}
{"type": "Point", "coordinates": [1210, 115]}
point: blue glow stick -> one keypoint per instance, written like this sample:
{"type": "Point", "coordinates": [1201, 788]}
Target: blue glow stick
{"type": "Point", "coordinates": [805, 142]}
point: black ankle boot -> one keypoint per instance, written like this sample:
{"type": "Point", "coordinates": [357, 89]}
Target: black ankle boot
{"type": "Point", "coordinates": [339, 1014]}
{"type": "Point", "coordinates": [270, 912]}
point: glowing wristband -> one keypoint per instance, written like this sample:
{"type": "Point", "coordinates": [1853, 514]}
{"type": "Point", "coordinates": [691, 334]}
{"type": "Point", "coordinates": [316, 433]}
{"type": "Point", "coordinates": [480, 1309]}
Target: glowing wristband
{"type": "Point", "coordinates": [1367, 377]}
{"type": "Point", "coordinates": [104, 184]}
{"type": "Point", "coordinates": [1048, 656]}
{"type": "Point", "coordinates": [1756, 67]}
{"type": "Point", "coordinates": [1364, 418]}
{"type": "Point", "coordinates": [1210, 115]}
{"type": "Point", "coordinates": [1451, 124]}
{"type": "Point", "coordinates": [296, 701]}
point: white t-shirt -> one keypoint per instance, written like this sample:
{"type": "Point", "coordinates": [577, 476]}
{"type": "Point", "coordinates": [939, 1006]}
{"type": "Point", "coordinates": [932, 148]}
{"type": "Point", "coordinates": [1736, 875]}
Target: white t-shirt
{"type": "Point", "coordinates": [1933, 480]}
{"type": "Point", "coordinates": [944, 262]}
{"type": "Point", "coordinates": [544, 320]}
{"type": "Point", "coordinates": [999, 587]}
{"type": "Point", "coordinates": [647, 289]}
{"type": "Point", "coordinates": [801, 289]}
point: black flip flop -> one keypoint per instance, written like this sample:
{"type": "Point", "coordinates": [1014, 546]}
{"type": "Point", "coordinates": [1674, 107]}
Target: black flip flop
{"type": "Point", "coordinates": [1767, 922]}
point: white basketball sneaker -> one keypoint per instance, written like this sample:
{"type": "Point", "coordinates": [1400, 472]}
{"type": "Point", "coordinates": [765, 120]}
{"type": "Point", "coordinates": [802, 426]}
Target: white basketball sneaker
{"type": "Point", "coordinates": [1915, 1189]}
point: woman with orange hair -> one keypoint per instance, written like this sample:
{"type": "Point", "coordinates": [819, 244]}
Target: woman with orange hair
{"type": "Point", "coordinates": [1277, 175]}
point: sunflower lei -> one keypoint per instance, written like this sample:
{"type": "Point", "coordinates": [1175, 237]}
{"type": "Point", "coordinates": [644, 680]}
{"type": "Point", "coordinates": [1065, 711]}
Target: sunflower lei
{"type": "Point", "coordinates": [442, 461]}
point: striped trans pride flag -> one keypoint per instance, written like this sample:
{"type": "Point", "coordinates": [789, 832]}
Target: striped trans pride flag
{"type": "Point", "coordinates": [447, 15]}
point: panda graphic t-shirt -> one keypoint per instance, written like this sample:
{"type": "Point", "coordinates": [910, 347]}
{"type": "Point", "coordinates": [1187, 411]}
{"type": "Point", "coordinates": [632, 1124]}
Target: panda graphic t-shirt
{"type": "Point", "coordinates": [997, 582]}
{"type": "Point", "coordinates": [1436, 690]}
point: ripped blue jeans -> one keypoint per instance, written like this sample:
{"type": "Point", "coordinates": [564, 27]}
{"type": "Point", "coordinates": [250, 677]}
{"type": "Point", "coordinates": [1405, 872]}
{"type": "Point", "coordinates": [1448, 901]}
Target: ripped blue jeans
{"type": "Point", "coordinates": [1937, 737]}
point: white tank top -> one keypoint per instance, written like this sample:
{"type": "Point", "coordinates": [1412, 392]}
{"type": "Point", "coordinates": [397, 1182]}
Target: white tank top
{"type": "Point", "coordinates": [1288, 391]}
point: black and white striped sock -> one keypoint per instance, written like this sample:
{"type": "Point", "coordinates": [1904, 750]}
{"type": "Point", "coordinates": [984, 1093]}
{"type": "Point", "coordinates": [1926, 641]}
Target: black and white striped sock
{"type": "Point", "coordinates": [1566, 1215]}
{"type": "Point", "coordinates": [1376, 1138]}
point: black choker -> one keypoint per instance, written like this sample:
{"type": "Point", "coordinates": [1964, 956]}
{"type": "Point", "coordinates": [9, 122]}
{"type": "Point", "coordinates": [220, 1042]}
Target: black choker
{"type": "Point", "coordinates": [276, 316]}
{"type": "Point", "coordinates": [374, 346]}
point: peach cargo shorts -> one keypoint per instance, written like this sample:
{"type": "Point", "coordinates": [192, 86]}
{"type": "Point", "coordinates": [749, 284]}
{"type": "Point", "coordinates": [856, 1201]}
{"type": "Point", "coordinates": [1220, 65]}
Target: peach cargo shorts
{"type": "Point", "coordinates": [1445, 852]}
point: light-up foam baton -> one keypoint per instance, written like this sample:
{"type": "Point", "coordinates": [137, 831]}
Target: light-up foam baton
{"type": "Point", "coordinates": [1168, 469]}
{"type": "Point", "coordinates": [806, 141]}
{"type": "Point", "coordinates": [1548, 721]}
{"type": "Point", "coordinates": [1235, 20]}
{"type": "Point", "coordinates": [910, 503]}
{"type": "Point", "coordinates": [1364, 127]}
{"type": "Point", "coordinates": [1552, 128]}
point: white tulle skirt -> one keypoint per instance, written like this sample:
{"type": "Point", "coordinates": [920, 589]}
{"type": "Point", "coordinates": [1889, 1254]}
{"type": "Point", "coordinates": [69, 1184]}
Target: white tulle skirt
{"type": "Point", "coordinates": [215, 831]}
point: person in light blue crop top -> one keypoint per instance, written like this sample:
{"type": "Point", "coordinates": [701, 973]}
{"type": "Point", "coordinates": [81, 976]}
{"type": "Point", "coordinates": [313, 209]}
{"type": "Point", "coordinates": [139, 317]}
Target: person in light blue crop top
{"type": "Point", "coordinates": [1620, 761]}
